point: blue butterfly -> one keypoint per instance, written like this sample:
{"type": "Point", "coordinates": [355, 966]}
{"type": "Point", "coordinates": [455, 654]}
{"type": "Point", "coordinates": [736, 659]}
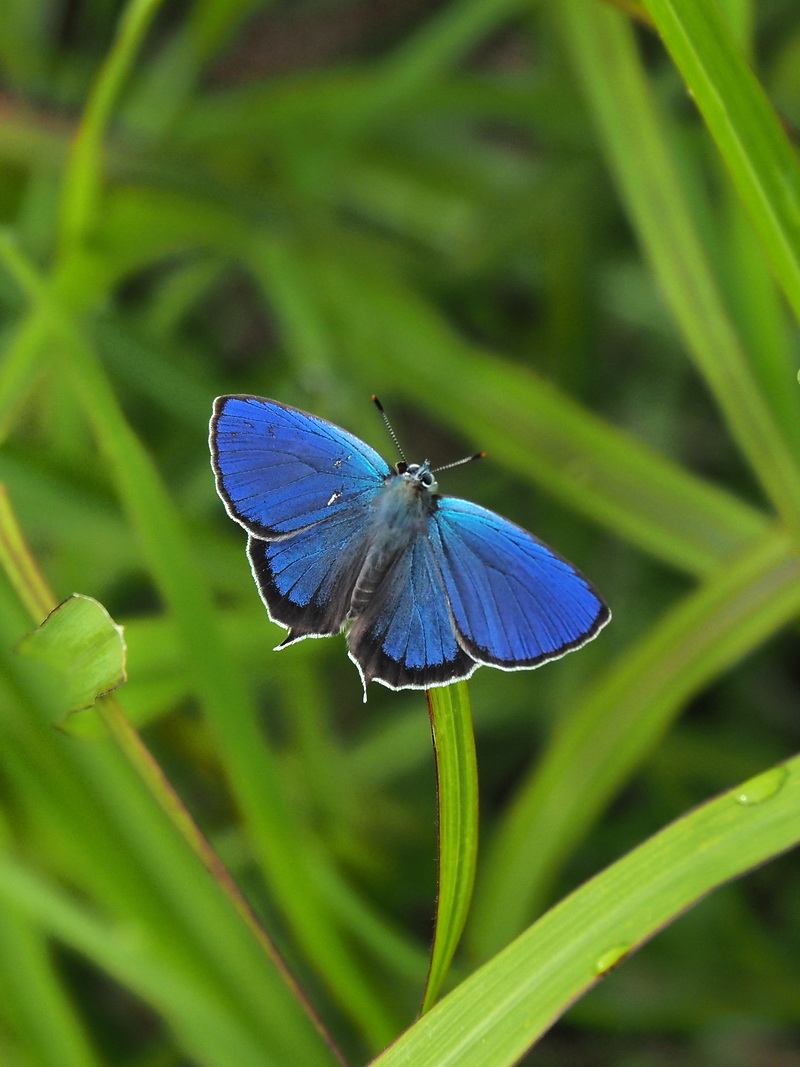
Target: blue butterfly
{"type": "Point", "coordinates": [428, 587]}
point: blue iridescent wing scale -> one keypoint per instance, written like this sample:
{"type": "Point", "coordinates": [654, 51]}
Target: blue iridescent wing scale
{"type": "Point", "coordinates": [279, 469]}
{"type": "Point", "coordinates": [514, 601]}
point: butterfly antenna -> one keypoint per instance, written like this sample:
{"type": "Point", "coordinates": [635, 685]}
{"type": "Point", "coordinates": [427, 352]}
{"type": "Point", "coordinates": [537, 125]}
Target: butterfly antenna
{"type": "Point", "coordinates": [459, 462]}
{"type": "Point", "coordinates": [389, 427]}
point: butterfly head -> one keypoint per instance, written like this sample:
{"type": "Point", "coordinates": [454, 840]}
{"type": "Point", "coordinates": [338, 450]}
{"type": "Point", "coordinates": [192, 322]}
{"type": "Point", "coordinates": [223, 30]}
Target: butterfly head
{"type": "Point", "coordinates": [420, 473]}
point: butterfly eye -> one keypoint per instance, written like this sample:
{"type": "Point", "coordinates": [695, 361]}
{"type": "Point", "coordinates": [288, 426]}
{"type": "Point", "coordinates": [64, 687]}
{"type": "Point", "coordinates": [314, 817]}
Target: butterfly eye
{"type": "Point", "coordinates": [425, 478]}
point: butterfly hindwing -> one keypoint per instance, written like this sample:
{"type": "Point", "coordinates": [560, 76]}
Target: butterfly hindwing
{"type": "Point", "coordinates": [514, 602]}
{"type": "Point", "coordinates": [306, 580]}
{"type": "Point", "coordinates": [279, 469]}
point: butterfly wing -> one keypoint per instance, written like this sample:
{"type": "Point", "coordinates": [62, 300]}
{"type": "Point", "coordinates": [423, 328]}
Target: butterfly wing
{"type": "Point", "coordinates": [302, 488]}
{"type": "Point", "coordinates": [404, 637]}
{"type": "Point", "coordinates": [514, 601]}
{"type": "Point", "coordinates": [306, 581]}
{"type": "Point", "coordinates": [280, 469]}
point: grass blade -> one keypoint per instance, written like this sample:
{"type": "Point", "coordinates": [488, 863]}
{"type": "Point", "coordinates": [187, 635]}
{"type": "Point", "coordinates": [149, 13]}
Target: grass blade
{"type": "Point", "coordinates": [35, 998]}
{"type": "Point", "coordinates": [457, 793]}
{"type": "Point", "coordinates": [82, 179]}
{"type": "Point", "coordinates": [516, 415]}
{"type": "Point", "coordinates": [635, 139]}
{"type": "Point", "coordinates": [215, 1037]}
{"type": "Point", "coordinates": [748, 133]}
{"type": "Point", "coordinates": [493, 1017]}
{"type": "Point", "coordinates": [242, 745]}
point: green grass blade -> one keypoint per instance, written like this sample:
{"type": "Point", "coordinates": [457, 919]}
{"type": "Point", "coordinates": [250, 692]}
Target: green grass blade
{"type": "Point", "coordinates": [83, 175]}
{"type": "Point", "coordinates": [457, 792]}
{"type": "Point", "coordinates": [635, 139]}
{"type": "Point", "coordinates": [18, 369]}
{"type": "Point", "coordinates": [19, 564]}
{"type": "Point", "coordinates": [81, 643]}
{"type": "Point", "coordinates": [208, 1031]}
{"type": "Point", "coordinates": [34, 998]}
{"type": "Point", "coordinates": [619, 722]}
{"type": "Point", "coordinates": [128, 861]}
{"type": "Point", "coordinates": [761, 314]}
{"type": "Point", "coordinates": [762, 163]}
{"type": "Point", "coordinates": [493, 1017]}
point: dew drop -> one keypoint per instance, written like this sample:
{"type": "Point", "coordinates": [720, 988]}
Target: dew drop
{"type": "Point", "coordinates": [610, 958]}
{"type": "Point", "coordinates": [763, 786]}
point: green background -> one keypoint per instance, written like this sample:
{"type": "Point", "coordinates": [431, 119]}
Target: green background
{"type": "Point", "coordinates": [515, 224]}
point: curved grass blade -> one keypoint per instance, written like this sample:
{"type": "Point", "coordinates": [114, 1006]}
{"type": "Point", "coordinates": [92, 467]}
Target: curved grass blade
{"type": "Point", "coordinates": [47, 1023]}
{"type": "Point", "coordinates": [53, 643]}
{"type": "Point", "coordinates": [522, 420]}
{"type": "Point", "coordinates": [208, 1028]}
{"type": "Point", "coordinates": [761, 161]}
{"type": "Point", "coordinates": [83, 175]}
{"type": "Point", "coordinates": [457, 795]}
{"type": "Point", "coordinates": [635, 139]}
{"type": "Point", "coordinates": [494, 1016]}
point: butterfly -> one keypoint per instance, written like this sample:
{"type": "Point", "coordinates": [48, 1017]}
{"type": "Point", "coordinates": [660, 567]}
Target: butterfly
{"type": "Point", "coordinates": [427, 587]}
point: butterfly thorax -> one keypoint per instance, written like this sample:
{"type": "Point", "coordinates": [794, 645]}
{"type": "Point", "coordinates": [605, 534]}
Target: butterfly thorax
{"type": "Point", "coordinates": [399, 512]}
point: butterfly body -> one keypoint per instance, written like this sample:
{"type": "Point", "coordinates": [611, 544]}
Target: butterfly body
{"type": "Point", "coordinates": [428, 587]}
{"type": "Point", "coordinates": [398, 515]}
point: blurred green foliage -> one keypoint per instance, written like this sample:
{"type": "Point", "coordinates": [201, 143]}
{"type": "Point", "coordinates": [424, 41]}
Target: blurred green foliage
{"type": "Point", "coordinates": [510, 222]}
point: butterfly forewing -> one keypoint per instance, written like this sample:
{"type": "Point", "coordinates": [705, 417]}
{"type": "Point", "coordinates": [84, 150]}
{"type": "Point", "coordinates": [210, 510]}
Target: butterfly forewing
{"type": "Point", "coordinates": [279, 469]}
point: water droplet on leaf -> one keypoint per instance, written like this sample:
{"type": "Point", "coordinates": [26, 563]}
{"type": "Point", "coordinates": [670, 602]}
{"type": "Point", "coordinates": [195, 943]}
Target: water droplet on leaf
{"type": "Point", "coordinates": [610, 958]}
{"type": "Point", "coordinates": [763, 786]}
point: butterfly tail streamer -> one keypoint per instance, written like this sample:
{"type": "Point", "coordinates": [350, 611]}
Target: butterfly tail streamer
{"type": "Point", "coordinates": [457, 802]}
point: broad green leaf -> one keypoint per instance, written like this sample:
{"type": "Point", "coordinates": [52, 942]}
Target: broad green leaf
{"type": "Point", "coordinates": [84, 647]}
